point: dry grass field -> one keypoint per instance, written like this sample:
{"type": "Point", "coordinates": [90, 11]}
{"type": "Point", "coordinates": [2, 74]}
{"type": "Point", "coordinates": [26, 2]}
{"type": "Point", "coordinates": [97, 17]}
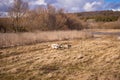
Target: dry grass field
{"type": "Point", "coordinates": [105, 30]}
{"type": "Point", "coordinates": [25, 38]}
{"type": "Point", "coordinates": [48, 41]}
{"type": "Point", "coordinates": [87, 59]}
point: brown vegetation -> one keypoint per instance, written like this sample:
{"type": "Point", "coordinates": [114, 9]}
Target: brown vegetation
{"type": "Point", "coordinates": [90, 59]}
{"type": "Point", "coordinates": [103, 25]}
{"type": "Point", "coordinates": [82, 55]}
{"type": "Point", "coordinates": [15, 39]}
{"type": "Point", "coordinates": [48, 18]}
{"type": "Point", "coordinates": [16, 13]}
{"type": "Point", "coordinates": [100, 16]}
{"type": "Point", "coordinates": [21, 19]}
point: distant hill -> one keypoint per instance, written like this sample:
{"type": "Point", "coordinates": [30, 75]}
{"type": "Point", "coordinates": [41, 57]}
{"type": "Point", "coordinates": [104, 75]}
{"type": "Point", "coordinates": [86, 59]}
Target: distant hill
{"type": "Point", "coordinates": [105, 16]}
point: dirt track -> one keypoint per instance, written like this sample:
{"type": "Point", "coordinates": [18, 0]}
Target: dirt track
{"type": "Point", "coordinates": [92, 59]}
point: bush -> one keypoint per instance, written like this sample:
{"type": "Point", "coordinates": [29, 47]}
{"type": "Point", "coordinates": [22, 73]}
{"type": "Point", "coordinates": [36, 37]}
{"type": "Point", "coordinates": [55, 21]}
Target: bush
{"type": "Point", "coordinates": [43, 19]}
{"type": "Point", "coordinates": [73, 22]}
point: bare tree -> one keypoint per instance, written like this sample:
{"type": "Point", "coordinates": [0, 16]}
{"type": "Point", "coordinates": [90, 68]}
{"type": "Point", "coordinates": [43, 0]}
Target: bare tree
{"type": "Point", "coordinates": [16, 12]}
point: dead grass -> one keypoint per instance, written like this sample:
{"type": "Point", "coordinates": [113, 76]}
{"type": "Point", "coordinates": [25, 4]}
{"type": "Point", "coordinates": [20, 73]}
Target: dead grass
{"type": "Point", "coordinates": [104, 25]}
{"type": "Point", "coordinates": [15, 39]}
{"type": "Point", "coordinates": [89, 59]}
{"type": "Point", "coordinates": [111, 25]}
{"type": "Point", "coordinates": [104, 30]}
{"type": "Point", "coordinates": [113, 34]}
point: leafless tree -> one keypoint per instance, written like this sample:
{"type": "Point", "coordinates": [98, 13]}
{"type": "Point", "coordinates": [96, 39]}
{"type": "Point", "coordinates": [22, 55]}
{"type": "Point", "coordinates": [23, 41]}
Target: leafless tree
{"type": "Point", "coordinates": [17, 11]}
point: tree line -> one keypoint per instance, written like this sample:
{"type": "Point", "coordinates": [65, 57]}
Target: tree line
{"type": "Point", "coordinates": [22, 19]}
{"type": "Point", "coordinates": [100, 16]}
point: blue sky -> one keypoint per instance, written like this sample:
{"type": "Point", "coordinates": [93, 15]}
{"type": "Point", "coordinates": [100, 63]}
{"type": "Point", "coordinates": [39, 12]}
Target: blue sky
{"type": "Point", "coordinates": [70, 5]}
{"type": "Point", "coordinates": [112, 0]}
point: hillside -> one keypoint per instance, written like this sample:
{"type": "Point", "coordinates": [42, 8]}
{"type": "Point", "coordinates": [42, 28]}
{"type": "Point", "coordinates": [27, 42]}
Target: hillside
{"type": "Point", "coordinates": [105, 16]}
{"type": "Point", "coordinates": [98, 13]}
{"type": "Point", "coordinates": [89, 59]}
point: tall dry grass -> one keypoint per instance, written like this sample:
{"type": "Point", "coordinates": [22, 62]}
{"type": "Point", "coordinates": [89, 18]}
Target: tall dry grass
{"type": "Point", "coordinates": [15, 39]}
{"type": "Point", "coordinates": [112, 25]}
{"type": "Point", "coordinates": [104, 25]}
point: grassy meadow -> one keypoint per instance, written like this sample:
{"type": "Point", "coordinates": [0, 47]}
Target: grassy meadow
{"type": "Point", "coordinates": [26, 37]}
{"type": "Point", "coordinates": [93, 58]}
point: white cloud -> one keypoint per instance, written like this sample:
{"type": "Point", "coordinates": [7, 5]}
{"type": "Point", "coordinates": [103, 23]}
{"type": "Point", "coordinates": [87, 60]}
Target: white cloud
{"type": "Point", "coordinates": [37, 2]}
{"type": "Point", "coordinates": [116, 9]}
{"type": "Point", "coordinates": [79, 5]}
{"type": "Point", "coordinates": [68, 5]}
{"type": "Point", "coordinates": [92, 6]}
{"type": "Point", "coordinates": [75, 9]}
{"type": "Point", "coordinates": [6, 2]}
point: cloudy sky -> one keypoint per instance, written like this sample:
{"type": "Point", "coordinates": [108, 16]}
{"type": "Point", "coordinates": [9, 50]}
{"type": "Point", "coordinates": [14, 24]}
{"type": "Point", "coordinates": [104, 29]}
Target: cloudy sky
{"type": "Point", "coordinates": [70, 5]}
